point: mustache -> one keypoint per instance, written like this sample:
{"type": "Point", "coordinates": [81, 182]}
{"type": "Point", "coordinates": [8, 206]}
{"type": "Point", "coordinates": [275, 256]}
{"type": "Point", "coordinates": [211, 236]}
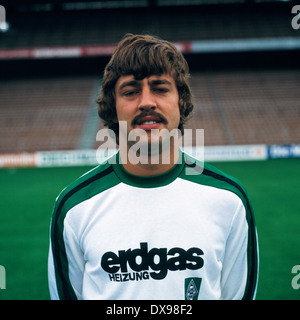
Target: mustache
{"type": "Point", "coordinates": [157, 117]}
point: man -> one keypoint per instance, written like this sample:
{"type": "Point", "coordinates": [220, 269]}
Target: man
{"type": "Point", "coordinates": [151, 229]}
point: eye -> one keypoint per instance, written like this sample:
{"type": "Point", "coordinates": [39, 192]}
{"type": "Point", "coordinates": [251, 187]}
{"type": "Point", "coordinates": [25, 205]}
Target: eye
{"type": "Point", "coordinates": [160, 89]}
{"type": "Point", "coordinates": [129, 93]}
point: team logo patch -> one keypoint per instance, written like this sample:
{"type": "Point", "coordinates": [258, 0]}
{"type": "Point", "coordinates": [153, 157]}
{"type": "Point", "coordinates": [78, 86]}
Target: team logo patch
{"type": "Point", "coordinates": [192, 288]}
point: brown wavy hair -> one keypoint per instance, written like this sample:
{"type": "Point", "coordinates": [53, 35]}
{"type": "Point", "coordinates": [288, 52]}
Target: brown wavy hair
{"type": "Point", "coordinates": [143, 56]}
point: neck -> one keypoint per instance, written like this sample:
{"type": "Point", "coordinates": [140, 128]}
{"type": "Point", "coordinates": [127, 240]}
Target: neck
{"type": "Point", "coordinates": [150, 166]}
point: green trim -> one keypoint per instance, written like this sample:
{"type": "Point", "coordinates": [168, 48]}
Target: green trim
{"type": "Point", "coordinates": [147, 181]}
{"type": "Point", "coordinates": [211, 176]}
{"type": "Point", "coordinates": [82, 189]}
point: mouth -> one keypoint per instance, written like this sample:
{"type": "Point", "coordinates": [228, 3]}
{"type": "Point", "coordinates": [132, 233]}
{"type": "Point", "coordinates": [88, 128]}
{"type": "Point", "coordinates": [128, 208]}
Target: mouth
{"type": "Point", "coordinates": [148, 122]}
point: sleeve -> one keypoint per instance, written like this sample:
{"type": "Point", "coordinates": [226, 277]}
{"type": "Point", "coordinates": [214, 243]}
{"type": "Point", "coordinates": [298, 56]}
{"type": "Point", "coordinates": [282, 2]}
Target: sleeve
{"type": "Point", "coordinates": [51, 276]}
{"type": "Point", "coordinates": [240, 261]}
{"type": "Point", "coordinates": [65, 265]}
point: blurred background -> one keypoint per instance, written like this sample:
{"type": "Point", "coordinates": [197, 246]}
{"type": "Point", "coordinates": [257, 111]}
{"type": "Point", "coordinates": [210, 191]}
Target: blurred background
{"type": "Point", "coordinates": [244, 58]}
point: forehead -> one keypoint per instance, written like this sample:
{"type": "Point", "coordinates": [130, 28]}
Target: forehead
{"type": "Point", "coordinates": [130, 80]}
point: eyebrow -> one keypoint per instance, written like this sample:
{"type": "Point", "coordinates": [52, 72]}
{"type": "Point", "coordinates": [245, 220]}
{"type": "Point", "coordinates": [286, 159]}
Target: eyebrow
{"type": "Point", "coordinates": [136, 83]}
{"type": "Point", "coordinates": [161, 81]}
{"type": "Point", "coordinates": [131, 83]}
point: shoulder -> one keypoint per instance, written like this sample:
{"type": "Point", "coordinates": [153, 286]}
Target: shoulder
{"type": "Point", "coordinates": [86, 186]}
{"type": "Point", "coordinates": [207, 174]}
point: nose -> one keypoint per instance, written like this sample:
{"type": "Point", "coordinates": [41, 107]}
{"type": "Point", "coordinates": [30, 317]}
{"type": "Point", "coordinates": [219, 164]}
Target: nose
{"type": "Point", "coordinates": [147, 100]}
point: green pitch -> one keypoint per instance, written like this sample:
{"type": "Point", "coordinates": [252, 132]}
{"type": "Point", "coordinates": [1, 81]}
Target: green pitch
{"type": "Point", "coordinates": [27, 197]}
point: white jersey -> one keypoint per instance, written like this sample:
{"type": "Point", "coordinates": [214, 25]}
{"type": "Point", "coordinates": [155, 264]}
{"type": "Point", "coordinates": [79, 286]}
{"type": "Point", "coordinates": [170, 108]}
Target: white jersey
{"type": "Point", "coordinates": [179, 235]}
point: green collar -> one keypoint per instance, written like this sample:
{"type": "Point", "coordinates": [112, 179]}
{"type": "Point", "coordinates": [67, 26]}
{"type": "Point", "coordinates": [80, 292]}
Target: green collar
{"type": "Point", "coordinates": [148, 181]}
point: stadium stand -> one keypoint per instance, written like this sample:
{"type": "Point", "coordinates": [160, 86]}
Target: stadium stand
{"type": "Point", "coordinates": [105, 27]}
{"type": "Point", "coordinates": [43, 114]}
{"type": "Point", "coordinates": [247, 107]}
{"type": "Point", "coordinates": [236, 107]}
{"type": "Point", "coordinates": [233, 107]}
{"type": "Point", "coordinates": [47, 109]}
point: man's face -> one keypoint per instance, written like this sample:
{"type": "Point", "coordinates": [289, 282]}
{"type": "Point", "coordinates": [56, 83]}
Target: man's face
{"type": "Point", "coordinates": [150, 103]}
